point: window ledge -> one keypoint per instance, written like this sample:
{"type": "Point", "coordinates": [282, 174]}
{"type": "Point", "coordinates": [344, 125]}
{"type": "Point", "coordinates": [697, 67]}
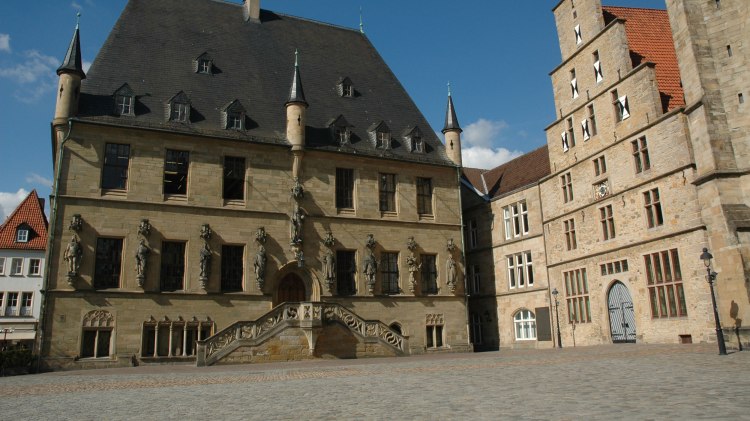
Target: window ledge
{"type": "Point", "coordinates": [175, 198]}
{"type": "Point", "coordinates": [114, 193]}
{"type": "Point", "coordinates": [388, 214]}
{"type": "Point", "coordinates": [426, 217]}
{"type": "Point", "coordinates": [346, 211]}
{"type": "Point", "coordinates": [234, 203]}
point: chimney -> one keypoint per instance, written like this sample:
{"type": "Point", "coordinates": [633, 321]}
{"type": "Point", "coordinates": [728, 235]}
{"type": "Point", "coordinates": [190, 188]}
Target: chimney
{"type": "Point", "coordinates": [251, 10]}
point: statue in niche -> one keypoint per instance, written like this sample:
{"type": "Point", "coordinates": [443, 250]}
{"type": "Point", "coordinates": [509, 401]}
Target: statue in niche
{"type": "Point", "coordinates": [298, 218]}
{"type": "Point", "coordinates": [329, 268]}
{"type": "Point", "coordinates": [411, 262]}
{"type": "Point", "coordinates": [298, 192]}
{"type": "Point", "coordinates": [450, 269]}
{"type": "Point", "coordinates": [141, 254]}
{"type": "Point", "coordinates": [72, 256]}
{"type": "Point", "coordinates": [205, 262]}
{"type": "Point", "coordinates": [370, 269]}
{"type": "Point", "coordinates": [260, 266]}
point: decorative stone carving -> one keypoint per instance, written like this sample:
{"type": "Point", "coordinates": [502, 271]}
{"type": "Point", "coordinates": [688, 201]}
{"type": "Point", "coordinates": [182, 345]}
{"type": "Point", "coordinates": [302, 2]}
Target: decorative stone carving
{"type": "Point", "coordinates": [451, 271]}
{"type": "Point", "coordinates": [260, 267]}
{"type": "Point", "coordinates": [206, 232]}
{"type": "Point", "coordinates": [144, 228]}
{"type": "Point", "coordinates": [98, 318]}
{"type": "Point", "coordinates": [450, 246]}
{"type": "Point", "coordinates": [370, 242]}
{"type": "Point", "coordinates": [434, 320]}
{"type": "Point", "coordinates": [297, 219]}
{"type": "Point", "coordinates": [329, 270]}
{"type": "Point", "coordinates": [299, 256]}
{"type": "Point", "coordinates": [329, 241]}
{"type": "Point", "coordinates": [73, 255]}
{"type": "Point", "coordinates": [414, 267]}
{"type": "Point", "coordinates": [298, 192]}
{"type": "Point", "coordinates": [141, 255]}
{"type": "Point", "coordinates": [261, 235]}
{"type": "Point", "coordinates": [411, 244]}
{"type": "Point", "coordinates": [76, 223]}
{"type": "Point", "coordinates": [205, 262]}
{"type": "Point", "coordinates": [370, 270]}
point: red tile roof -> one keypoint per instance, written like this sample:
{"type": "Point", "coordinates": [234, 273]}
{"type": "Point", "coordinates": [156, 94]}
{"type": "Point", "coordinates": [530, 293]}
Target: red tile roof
{"type": "Point", "coordinates": [520, 172]}
{"type": "Point", "coordinates": [30, 213]}
{"type": "Point", "coordinates": [650, 39]}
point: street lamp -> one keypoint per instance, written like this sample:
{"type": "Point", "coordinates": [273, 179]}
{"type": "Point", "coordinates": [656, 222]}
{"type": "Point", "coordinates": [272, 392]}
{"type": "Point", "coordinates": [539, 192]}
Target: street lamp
{"type": "Point", "coordinates": [6, 331]}
{"type": "Point", "coordinates": [557, 315]}
{"type": "Point", "coordinates": [711, 277]}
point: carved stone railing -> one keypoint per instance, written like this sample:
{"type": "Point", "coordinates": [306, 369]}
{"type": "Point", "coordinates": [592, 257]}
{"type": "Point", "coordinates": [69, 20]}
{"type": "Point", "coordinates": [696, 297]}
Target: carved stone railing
{"type": "Point", "coordinates": [308, 316]}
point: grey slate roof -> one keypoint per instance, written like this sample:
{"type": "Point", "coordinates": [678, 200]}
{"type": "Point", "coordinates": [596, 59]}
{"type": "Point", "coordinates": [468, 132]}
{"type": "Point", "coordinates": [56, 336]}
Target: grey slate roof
{"type": "Point", "coordinates": [72, 62]}
{"type": "Point", "coordinates": [154, 45]}
{"type": "Point", "coordinates": [451, 121]}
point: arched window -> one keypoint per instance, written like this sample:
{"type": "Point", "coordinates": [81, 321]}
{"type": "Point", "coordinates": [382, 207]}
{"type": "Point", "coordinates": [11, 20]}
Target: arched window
{"type": "Point", "coordinates": [396, 327]}
{"type": "Point", "coordinates": [525, 325]}
{"type": "Point", "coordinates": [96, 335]}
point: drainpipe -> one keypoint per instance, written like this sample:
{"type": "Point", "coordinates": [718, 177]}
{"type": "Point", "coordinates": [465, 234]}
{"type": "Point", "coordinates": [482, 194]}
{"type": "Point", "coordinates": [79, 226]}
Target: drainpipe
{"type": "Point", "coordinates": [50, 239]}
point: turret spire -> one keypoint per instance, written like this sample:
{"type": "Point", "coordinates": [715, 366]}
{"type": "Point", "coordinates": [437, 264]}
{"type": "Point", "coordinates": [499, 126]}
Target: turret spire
{"type": "Point", "coordinates": [72, 62]}
{"type": "Point", "coordinates": [361, 23]}
{"type": "Point", "coordinates": [296, 93]}
{"type": "Point", "coordinates": [451, 121]}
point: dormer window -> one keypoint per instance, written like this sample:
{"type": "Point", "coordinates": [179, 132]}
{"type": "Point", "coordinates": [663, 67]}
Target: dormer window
{"type": "Point", "coordinates": [203, 64]}
{"type": "Point", "coordinates": [346, 88]}
{"type": "Point", "coordinates": [382, 139]}
{"type": "Point", "coordinates": [22, 235]}
{"type": "Point", "coordinates": [415, 140]}
{"type": "Point", "coordinates": [124, 99]}
{"type": "Point", "coordinates": [380, 135]}
{"type": "Point", "coordinates": [234, 115]}
{"type": "Point", "coordinates": [179, 108]}
{"type": "Point", "coordinates": [341, 130]}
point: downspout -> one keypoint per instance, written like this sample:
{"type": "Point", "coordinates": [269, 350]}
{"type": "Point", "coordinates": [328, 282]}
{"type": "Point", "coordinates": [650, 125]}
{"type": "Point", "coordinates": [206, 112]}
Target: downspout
{"type": "Point", "coordinates": [50, 238]}
{"type": "Point", "coordinates": [463, 258]}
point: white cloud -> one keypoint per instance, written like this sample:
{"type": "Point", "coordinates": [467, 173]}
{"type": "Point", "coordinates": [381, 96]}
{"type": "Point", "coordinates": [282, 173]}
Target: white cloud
{"type": "Point", "coordinates": [86, 66]}
{"type": "Point", "coordinates": [35, 178]}
{"type": "Point", "coordinates": [35, 76]}
{"type": "Point", "coordinates": [76, 6]}
{"type": "Point", "coordinates": [5, 43]}
{"type": "Point", "coordinates": [483, 132]}
{"type": "Point", "coordinates": [9, 201]}
{"type": "Point", "coordinates": [487, 158]}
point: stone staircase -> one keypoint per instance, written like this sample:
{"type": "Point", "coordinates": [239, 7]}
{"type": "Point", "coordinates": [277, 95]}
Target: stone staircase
{"type": "Point", "coordinates": [308, 316]}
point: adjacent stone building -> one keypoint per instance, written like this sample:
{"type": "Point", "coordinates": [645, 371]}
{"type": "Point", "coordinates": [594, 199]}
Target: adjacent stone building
{"type": "Point", "coordinates": [645, 166]}
{"type": "Point", "coordinates": [236, 185]}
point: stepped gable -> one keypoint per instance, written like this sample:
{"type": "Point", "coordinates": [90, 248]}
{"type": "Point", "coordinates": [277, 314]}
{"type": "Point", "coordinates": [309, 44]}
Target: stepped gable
{"type": "Point", "coordinates": [154, 46]}
{"type": "Point", "coordinates": [31, 213]}
{"type": "Point", "coordinates": [650, 40]}
{"type": "Point", "coordinates": [522, 171]}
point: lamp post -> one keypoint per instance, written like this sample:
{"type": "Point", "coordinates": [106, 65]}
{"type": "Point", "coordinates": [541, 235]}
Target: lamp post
{"type": "Point", "coordinates": [6, 331]}
{"type": "Point", "coordinates": [557, 316]}
{"type": "Point", "coordinates": [711, 277]}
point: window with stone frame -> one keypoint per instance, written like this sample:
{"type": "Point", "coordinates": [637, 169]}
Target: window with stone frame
{"type": "Point", "coordinates": [475, 330]}
{"type": "Point", "coordinates": [172, 274]}
{"type": "Point", "coordinates": [573, 84]}
{"type": "Point", "coordinates": [115, 168]}
{"type": "Point", "coordinates": [389, 273]}
{"type": "Point", "coordinates": [598, 75]}
{"type": "Point", "coordinates": [424, 196]}
{"type": "Point", "coordinates": [600, 166]}
{"type": "Point", "coordinates": [524, 322]}
{"type": "Point", "coordinates": [612, 268]}
{"type": "Point", "coordinates": [475, 281]}
{"type": "Point", "coordinates": [577, 296]}
{"type": "Point", "coordinates": [97, 334]}
{"type": "Point", "coordinates": [344, 188]}
{"type": "Point", "coordinates": [234, 178]}
{"type": "Point", "coordinates": [589, 125]}
{"type": "Point", "coordinates": [640, 155]}
{"type": "Point", "coordinates": [473, 232]}
{"type": "Point", "coordinates": [26, 302]}
{"type": "Point", "coordinates": [652, 205]}
{"type": "Point", "coordinates": [607, 220]}
{"type": "Point", "coordinates": [569, 228]}
{"type": "Point", "coordinates": [516, 220]}
{"type": "Point", "coordinates": [387, 192]}
{"type": "Point", "coordinates": [176, 165]}
{"type": "Point", "coordinates": [107, 264]}
{"type": "Point", "coordinates": [2, 271]}
{"type": "Point", "coordinates": [346, 272]}
{"type": "Point", "coordinates": [578, 34]}
{"type": "Point", "coordinates": [16, 266]}
{"type": "Point", "coordinates": [665, 289]}
{"type": "Point", "coordinates": [622, 108]}
{"type": "Point", "coordinates": [429, 274]}
{"type": "Point", "coordinates": [567, 187]}
{"type": "Point", "coordinates": [565, 142]}
{"type": "Point", "coordinates": [11, 304]}
{"type": "Point", "coordinates": [174, 338]}
{"type": "Point", "coordinates": [520, 270]}
{"type": "Point", "coordinates": [232, 268]}
{"type": "Point", "coordinates": [434, 331]}
{"type": "Point", "coordinates": [571, 133]}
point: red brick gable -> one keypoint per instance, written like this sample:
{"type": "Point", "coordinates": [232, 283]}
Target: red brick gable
{"type": "Point", "coordinates": [31, 214]}
{"type": "Point", "coordinates": [650, 40]}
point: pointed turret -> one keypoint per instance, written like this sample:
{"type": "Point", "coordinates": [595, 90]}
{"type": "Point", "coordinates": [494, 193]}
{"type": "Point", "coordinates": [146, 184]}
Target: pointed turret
{"type": "Point", "coordinates": [452, 131]}
{"type": "Point", "coordinates": [70, 73]}
{"type": "Point", "coordinates": [296, 110]}
{"type": "Point", "coordinates": [296, 93]}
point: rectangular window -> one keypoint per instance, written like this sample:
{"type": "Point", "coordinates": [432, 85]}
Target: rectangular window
{"type": "Point", "coordinates": [22, 236]}
{"type": "Point", "coordinates": [600, 166]}
{"type": "Point", "coordinates": [181, 335]}
{"type": "Point", "coordinates": [387, 186]}
{"type": "Point", "coordinates": [124, 105]}
{"type": "Point", "coordinates": [180, 112]}
{"type": "Point", "coordinates": [516, 218]}
{"type": "Point", "coordinates": [11, 306]}
{"type": "Point", "coordinates": [577, 296]}
{"type": "Point", "coordinates": [473, 233]}
{"type": "Point", "coordinates": [475, 281]}
{"type": "Point", "coordinates": [614, 267]}
{"type": "Point", "coordinates": [579, 37]}
{"type": "Point", "coordinates": [424, 196]}
{"type": "Point", "coordinates": [172, 266]}
{"type": "Point", "coordinates": [26, 300]}
{"type": "Point", "coordinates": [520, 270]}
{"type": "Point", "coordinates": [107, 264]}
{"type": "Point", "coordinates": [640, 155]}
{"type": "Point", "coordinates": [567, 187]}
{"type": "Point", "coordinates": [346, 271]}
{"type": "Point", "coordinates": [434, 332]}
{"type": "Point", "coordinates": [652, 203]}
{"type": "Point", "coordinates": [35, 267]}
{"type": "Point", "coordinates": [176, 165]}
{"type": "Point", "coordinates": [507, 223]}
{"type": "Point", "coordinates": [591, 120]}
{"type": "Point", "coordinates": [344, 188]}
{"type": "Point", "coordinates": [2, 269]}
{"type": "Point", "coordinates": [571, 133]}
{"type": "Point", "coordinates": [573, 84]}
{"type": "Point", "coordinates": [597, 67]}
{"type": "Point", "coordinates": [16, 266]}
{"type": "Point", "coordinates": [115, 170]}
{"type": "Point", "coordinates": [565, 144]}
{"type": "Point", "coordinates": [608, 222]}
{"type": "Point", "coordinates": [235, 121]}
{"type": "Point", "coordinates": [234, 178]}
{"type": "Point", "coordinates": [622, 109]}
{"type": "Point", "coordinates": [389, 265]}
{"type": "Point", "coordinates": [664, 278]}
{"type": "Point", "coordinates": [232, 258]}
{"type": "Point", "coordinates": [95, 343]}
{"type": "Point", "coordinates": [570, 234]}
{"type": "Point", "coordinates": [476, 328]}
{"type": "Point", "coordinates": [429, 274]}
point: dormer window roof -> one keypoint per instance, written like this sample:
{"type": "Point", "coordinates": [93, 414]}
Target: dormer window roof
{"type": "Point", "coordinates": [124, 101]}
{"type": "Point", "coordinates": [341, 130]}
{"type": "Point", "coordinates": [234, 116]}
{"type": "Point", "coordinates": [203, 64]}
{"type": "Point", "coordinates": [346, 88]}
{"type": "Point", "coordinates": [380, 135]}
{"type": "Point", "coordinates": [179, 108]}
{"type": "Point", "coordinates": [413, 136]}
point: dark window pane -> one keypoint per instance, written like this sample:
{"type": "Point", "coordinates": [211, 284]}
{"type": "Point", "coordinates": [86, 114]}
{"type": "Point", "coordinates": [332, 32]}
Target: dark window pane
{"type": "Point", "coordinates": [172, 266]}
{"type": "Point", "coordinates": [102, 343]}
{"type": "Point", "coordinates": [429, 274]}
{"type": "Point", "coordinates": [424, 196]}
{"type": "Point", "coordinates": [176, 172]}
{"type": "Point", "coordinates": [389, 269]}
{"type": "Point", "coordinates": [115, 170]}
{"type": "Point", "coordinates": [346, 269]}
{"type": "Point", "coordinates": [232, 268]}
{"type": "Point", "coordinates": [107, 264]}
{"type": "Point", "coordinates": [88, 343]}
{"type": "Point", "coordinates": [387, 185]}
{"type": "Point", "coordinates": [344, 188]}
{"type": "Point", "coordinates": [234, 178]}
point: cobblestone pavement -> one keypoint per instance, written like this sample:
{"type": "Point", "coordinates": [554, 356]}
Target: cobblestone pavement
{"type": "Point", "coordinates": [604, 382]}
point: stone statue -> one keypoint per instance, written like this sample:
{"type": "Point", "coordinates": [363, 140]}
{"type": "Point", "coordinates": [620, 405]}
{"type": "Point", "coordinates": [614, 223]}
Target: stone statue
{"type": "Point", "coordinates": [411, 261]}
{"type": "Point", "coordinates": [370, 269]}
{"type": "Point", "coordinates": [329, 268]}
{"type": "Point", "coordinates": [73, 254]}
{"type": "Point", "coordinates": [205, 261]}
{"type": "Point", "coordinates": [450, 269]}
{"type": "Point", "coordinates": [140, 261]}
{"type": "Point", "coordinates": [298, 218]}
{"type": "Point", "coordinates": [298, 192]}
{"type": "Point", "coordinates": [260, 266]}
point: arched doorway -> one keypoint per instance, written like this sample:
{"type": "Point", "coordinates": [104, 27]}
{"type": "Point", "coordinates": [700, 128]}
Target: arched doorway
{"type": "Point", "coordinates": [621, 314]}
{"type": "Point", "coordinates": [291, 289]}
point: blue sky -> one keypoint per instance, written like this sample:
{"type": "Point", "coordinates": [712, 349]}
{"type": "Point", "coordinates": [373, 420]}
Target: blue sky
{"type": "Point", "coordinates": [496, 54]}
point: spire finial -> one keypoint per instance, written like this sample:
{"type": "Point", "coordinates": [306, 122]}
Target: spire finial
{"type": "Point", "coordinates": [361, 24]}
{"type": "Point", "coordinates": [449, 88]}
{"type": "Point", "coordinates": [296, 58]}
{"type": "Point", "coordinates": [78, 19]}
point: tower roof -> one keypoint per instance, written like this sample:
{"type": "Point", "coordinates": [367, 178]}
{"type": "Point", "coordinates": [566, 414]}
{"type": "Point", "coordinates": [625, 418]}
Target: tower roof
{"type": "Point", "coordinates": [451, 121]}
{"type": "Point", "coordinates": [296, 93]}
{"type": "Point", "coordinates": [28, 215]}
{"type": "Point", "coordinates": [72, 62]}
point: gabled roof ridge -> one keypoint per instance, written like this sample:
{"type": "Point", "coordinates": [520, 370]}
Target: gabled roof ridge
{"type": "Point", "coordinates": [508, 163]}
{"type": "Point", "coordinates": [30, 212]}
